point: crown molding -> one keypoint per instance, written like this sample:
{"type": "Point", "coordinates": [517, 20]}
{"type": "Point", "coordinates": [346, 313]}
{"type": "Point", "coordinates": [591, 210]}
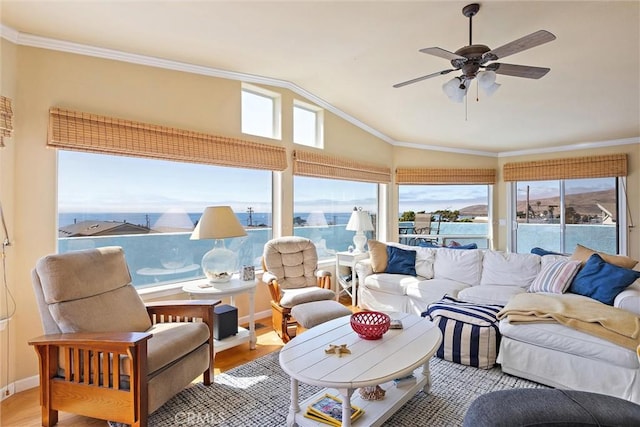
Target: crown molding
{"type": "Point", "coordinates": [572, 147]}
{"type": "Point", "coordinates": [445, 149]}
{"type": "Point", "coordinates": [31, 40]}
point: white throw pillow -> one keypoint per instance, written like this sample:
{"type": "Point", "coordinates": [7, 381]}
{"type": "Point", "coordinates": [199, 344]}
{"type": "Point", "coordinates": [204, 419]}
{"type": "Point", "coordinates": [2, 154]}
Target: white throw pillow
{"type": "Point", "coordinates": [461, 265]}
{"type": "Point", "coordinates": [502, 268]}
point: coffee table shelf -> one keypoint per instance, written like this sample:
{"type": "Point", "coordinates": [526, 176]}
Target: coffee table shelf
{"type": "Point", "coordinates": [376, 412]}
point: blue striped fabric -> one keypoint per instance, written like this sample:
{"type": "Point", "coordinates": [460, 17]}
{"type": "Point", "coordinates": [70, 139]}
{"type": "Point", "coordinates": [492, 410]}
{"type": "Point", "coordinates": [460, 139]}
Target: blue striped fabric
{"type": "Point", "coordinates": [470, 331]}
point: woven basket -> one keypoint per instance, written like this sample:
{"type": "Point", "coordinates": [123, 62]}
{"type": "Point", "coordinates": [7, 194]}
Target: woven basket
{"type": "Point", "coordinates": [370, 325]}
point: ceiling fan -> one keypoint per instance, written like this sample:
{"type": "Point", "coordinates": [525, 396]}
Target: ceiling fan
{"type": "Point", "coordinates": [472, 61]}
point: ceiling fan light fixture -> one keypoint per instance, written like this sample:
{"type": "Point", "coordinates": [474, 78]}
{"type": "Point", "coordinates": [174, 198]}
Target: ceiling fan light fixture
{"type": "Point", "coordinates": [487, 81]}
{"type": "Point", "coordinates": [455, 89]}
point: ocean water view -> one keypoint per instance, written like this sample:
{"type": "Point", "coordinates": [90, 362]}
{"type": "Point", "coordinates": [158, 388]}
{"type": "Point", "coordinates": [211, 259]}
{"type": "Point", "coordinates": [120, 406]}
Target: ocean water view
{"type": "Point", "coordinates": [159, 258]}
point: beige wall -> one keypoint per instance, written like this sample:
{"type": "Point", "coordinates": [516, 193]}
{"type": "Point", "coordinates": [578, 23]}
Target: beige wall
{"type": "Point", "coordinates": [8, 59]}
{"type": "Point", "coordinates": [43, 79]}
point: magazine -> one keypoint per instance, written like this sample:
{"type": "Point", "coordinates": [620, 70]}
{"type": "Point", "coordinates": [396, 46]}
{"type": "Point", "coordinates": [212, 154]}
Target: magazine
{"type": "Point", "coordinates": [328, 409]}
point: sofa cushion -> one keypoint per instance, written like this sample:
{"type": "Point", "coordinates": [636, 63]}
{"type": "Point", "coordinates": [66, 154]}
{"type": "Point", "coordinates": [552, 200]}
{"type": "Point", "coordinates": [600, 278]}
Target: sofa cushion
{"type": "Point", "coordinates": [563, 339]}
{"type": "Point", "coordinates": [457, 265]}
{"type": "Point", "coordinates": [502, 268]}
{"type": "Point", "coordinates": [555, 277]}
{"type": "Point", "coordinates": [378, 255]}
{"type": "Point", "coordinates": [602, 281]}
{"type": "Point", "coordinates": [490, 294]}
{"type": "Point", "coordinates": [582, 253]}
{"type": "Point", "coordinates": [171, 341]}
{"type": "Point", "coordinates": [395, 284]}
{"type": "Point", "coordinates": [401, 261]}
{"type": "Point", "coordinates": [430, 291]}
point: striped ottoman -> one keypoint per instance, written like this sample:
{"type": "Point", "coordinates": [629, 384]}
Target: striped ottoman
{"type": "Point", "coordinates": [469, 331]}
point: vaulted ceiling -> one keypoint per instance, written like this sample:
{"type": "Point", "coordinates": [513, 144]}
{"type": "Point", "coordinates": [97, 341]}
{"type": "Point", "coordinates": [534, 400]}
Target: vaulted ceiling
{"type": "Point", "coordinates": [350, 53]}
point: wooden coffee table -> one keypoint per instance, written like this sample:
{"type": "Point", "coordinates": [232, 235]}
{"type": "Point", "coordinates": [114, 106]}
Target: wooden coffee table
{"type": "Point", "coordinates": [378, 362]}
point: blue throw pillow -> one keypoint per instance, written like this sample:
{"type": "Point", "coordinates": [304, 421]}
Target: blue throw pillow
{"type": "Point", "coordinates": [401, 261]}
{"type": "Point", "coordinates": [467, 246]}
{"type": "Point", "coordinates": [543, 252]}
{"type": "Point", "coordinates": [602, 281]}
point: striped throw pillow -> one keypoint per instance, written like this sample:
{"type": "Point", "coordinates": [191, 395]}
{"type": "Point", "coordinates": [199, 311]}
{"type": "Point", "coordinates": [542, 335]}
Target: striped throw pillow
{"type": "Point", "coordinates": [555, 277]}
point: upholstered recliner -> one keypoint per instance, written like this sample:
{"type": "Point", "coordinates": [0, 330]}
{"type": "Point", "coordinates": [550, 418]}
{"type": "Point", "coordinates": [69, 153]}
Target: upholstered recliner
{"type": "Point", "coordinates": [290, 267]}
{"type": "Point", "coordinates": [105, 355]}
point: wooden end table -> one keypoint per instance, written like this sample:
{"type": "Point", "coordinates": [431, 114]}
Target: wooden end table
{"type": "Point", "coordinates": [201, 288]}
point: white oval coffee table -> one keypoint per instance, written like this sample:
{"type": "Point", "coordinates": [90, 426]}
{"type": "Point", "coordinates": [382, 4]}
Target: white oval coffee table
{"type": "Point", "coordinates": [400, 352]}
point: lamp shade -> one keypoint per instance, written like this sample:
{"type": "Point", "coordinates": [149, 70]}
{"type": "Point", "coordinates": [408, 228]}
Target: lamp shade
{"type": "Point", "coordinates": [218, 222]}
{"type": "Point", "coordinates": [359, 221]}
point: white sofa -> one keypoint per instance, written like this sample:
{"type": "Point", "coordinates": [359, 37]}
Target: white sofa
{"type": "Point", "coordinates": [548, 353]}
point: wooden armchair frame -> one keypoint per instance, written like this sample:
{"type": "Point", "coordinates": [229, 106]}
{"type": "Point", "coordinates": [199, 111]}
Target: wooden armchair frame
{"type": "Point", "coordinates": [283, 322]}
{"type": "Point", "coordinates": [92, 383]}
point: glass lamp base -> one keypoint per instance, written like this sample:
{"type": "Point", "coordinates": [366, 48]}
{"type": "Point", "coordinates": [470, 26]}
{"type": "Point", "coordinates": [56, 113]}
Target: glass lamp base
{"type": "Point", "coordinates": [219, 264]}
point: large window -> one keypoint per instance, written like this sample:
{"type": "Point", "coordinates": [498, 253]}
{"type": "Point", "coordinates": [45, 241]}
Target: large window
{"type": "Point", "coordinates": [149, 207]}
{"type": "Point", "coordinates": [260, 112]}
{"type": "Point", "coordinates": [559, 214]}
{"type": "Point", "coordinates": [307, 125]}
{"type": "Point", "coordinates": [455, 214]}
{"type": "Point", "coordinates": [322, 208]}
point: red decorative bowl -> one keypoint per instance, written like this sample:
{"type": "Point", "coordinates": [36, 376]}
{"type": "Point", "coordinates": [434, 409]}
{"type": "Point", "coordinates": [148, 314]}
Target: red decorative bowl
{"type": "Point", "coordinates": [370, 325]}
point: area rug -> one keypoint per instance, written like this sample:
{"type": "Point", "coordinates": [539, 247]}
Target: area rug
{"type": "Point", "coordinates": [257, 394]}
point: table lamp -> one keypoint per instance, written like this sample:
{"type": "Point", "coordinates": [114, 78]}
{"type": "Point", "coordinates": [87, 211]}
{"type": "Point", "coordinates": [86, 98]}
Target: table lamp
{"type": "Point", "coordinates": [218, 222]}
{"type": "Point", "coordinates": [360, 221]}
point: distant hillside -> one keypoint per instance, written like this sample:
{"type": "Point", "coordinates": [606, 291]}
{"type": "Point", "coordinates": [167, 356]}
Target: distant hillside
{"type": "Point", "coordinates": [583, 203]}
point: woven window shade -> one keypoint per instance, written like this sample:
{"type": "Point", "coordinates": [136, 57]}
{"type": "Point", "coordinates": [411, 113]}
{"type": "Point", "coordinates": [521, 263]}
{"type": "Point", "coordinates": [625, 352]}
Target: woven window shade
{"type": "Point", "coordinates": [6, 119]}
{"type": "Point", "coordinates": [570, 168]}
{"type": "Point", "coordinates": [98, 134]}
{"type": "Point", "coordinates": [445, 176]}
{"type": "Point", "coordinates": [318, 165]}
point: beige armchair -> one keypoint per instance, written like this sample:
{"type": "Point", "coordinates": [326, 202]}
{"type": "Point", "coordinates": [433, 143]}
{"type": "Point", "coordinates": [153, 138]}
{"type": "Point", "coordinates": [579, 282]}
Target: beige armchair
{"type": "Point", "coordinates": [104, 353]}
{"type": "Point", "coordinates": [290, 267]}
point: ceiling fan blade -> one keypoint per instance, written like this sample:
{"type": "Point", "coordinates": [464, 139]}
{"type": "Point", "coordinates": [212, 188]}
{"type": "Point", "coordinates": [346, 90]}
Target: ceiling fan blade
{"type": "Point", "coordinates": [525, 71]}
{"type": "Point", "coordinates": [419, 79]}
{"type": "Point", "coordinates": [523, 43]}
{"type": "Point", "coordinates": [442, 53]}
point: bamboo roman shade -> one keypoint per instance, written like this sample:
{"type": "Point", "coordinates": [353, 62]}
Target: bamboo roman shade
{"type": "Point", "coordinates": [445, 176]}
{"type": "Point", "coordinates": [569, 168]}
{"type": "Point", "coordinates": [99, 134]}
{"type": "Point", "coordinates": [319, 165]}
{"type": "Point", "coordinates": [6, 119]}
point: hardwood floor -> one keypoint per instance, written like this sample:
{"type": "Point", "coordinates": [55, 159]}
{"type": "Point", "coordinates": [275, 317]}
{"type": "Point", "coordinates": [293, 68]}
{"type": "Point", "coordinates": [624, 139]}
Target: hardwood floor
{"type": "Point", "coordinates": [23, 409]}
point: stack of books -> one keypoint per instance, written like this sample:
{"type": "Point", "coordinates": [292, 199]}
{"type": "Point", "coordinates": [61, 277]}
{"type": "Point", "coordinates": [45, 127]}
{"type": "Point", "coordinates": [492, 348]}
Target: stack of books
{"type": "Point", "coordinates": [328, 410]}
{"type": "Point", "coordinates": [405, 381]}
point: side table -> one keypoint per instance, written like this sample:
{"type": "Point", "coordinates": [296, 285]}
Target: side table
{"type": "Point", "coordinates": [199, 289]}
{"type": "Point", "coordinates": [348, 259]}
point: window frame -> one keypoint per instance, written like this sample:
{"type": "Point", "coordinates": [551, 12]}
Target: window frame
{"type": "Point", "coordinates": [622, 219]}
{"type": "Point", "coordinates": [318, 131]}
{"type": "Point", "coordinates": [490, 211]}
{"type": "Point", "coordinates": [276, 111]}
